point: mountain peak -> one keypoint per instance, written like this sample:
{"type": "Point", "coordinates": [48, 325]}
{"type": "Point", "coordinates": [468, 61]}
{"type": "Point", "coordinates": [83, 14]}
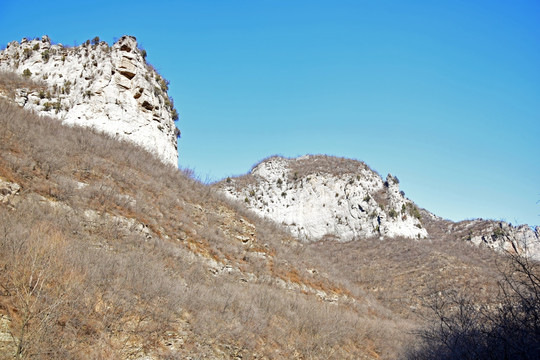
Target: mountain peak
{"type": "Point", "coordinates": [109, 88]}
{"type": "Point", "coordinates": [320, 196]}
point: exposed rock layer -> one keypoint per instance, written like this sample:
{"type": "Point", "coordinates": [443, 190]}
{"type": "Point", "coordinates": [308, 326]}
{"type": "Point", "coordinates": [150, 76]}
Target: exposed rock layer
{"type": "Point", "coordinates": [319, 197]}
{"type": "Point", "coordinates": [498, 235]}
{"type": "Point", "coordinates": [111, 89]}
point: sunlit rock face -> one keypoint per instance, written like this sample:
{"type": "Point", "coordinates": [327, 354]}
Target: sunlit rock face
{"type": "Point", "coordinates": [324, 197]}
{"type": "Point", "coordinates": [499, 235]}
{"type": "Point", "coordinates": [318, 197]}
{"type": "Point", "coordinates": [111, 89]}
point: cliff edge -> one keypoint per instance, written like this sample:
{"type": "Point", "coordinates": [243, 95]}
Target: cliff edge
{"type": "Point", "coordinates": [109, 88]}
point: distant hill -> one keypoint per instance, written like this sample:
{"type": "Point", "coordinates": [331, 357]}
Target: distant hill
{"type": "Point", "coordinates": [322, 197]}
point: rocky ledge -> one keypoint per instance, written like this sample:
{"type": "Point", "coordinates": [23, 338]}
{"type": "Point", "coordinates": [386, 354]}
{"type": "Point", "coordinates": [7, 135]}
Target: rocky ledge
{"type": "Point", "coordinates": [109, 88]}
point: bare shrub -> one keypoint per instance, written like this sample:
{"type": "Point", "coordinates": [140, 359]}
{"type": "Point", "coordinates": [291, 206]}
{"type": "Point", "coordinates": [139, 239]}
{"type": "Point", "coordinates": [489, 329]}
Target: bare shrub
{"type": "Point", "coordinates": [35, 283]}
{"type": "Point", "coordinates": [140, 256]}
{"type": "Point", "coordinates": [10, 81]}
{"type": "Point", "coordinates": [507, 327]}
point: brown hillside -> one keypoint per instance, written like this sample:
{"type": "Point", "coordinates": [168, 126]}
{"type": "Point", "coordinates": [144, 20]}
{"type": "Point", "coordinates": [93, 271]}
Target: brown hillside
{"type": "Point", "coordinates": [106, 253]}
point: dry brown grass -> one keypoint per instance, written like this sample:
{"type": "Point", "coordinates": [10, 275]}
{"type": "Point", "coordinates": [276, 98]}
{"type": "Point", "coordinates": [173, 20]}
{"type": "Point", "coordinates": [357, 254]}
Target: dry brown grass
{"type": "Point", "coordinates": [117, 307]}
{"type": "Point", "coordinates": [10, 81]}
{"type": "Point", "coordinates": [143, 259]}
{"type": "Point", "coordinates": [324, 164]}
{"type": "Point", "coordinates": [318, 164]}
{"type": "Point", "coordinates": [401, 274]}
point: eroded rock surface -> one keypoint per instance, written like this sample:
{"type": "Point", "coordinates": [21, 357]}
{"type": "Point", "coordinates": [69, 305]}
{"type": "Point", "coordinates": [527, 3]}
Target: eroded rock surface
{"type": "Point", "coordinates": [320, 197]}
{"type": "Point", "coordinates": [498, 235]}
{"type": "Point", "coordinates": [8, 190]}
{"type": "Point", "coordinates": [111, 89]}
{"type": "Point", "coordinates": [317, 197]}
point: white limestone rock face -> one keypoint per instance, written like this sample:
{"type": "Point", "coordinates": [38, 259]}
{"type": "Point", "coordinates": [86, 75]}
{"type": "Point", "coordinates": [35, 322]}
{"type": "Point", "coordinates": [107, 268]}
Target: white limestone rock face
{"type": "Point", "coordinates": [319, 197]}
{"type": "Point", "coordinates": [111, 89]}
{"type": "Point", "coordinates": [502, 236]}
{"type": "Point", "coordinates": [497, 235]}
{"type": "Point", "coordinates": [8, 190]}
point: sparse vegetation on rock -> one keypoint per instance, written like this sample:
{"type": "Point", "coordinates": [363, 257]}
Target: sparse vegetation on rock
{"type": "Point", "coordinates": [352, 214]}
{"type": "Point", "coordinates": [105, 75]}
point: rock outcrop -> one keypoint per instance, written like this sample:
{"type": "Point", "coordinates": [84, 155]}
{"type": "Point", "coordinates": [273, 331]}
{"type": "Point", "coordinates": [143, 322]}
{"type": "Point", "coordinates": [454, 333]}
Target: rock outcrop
{"type": "Point", "coordinates": [498, 235]}
{"type": "Point", "coordinates": [109, 88]}
{"type": "Point", "coordinates": [503, 236]}
{"type": "Point", "coordinates": [318, 197]}
{"type": "Point", "coordinates": [8, 190]}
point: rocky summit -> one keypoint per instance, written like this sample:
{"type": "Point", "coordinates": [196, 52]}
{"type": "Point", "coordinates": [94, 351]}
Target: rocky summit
{"type": "Point", "coordinates": [109, 88]}
{"type": "Point", "coordinates": [319, 197]}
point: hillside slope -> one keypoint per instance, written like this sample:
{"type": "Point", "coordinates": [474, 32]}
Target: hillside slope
{"type": "Point", "coordinates": [108, 253]}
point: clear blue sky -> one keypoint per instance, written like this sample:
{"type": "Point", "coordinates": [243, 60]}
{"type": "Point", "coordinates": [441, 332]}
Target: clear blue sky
{"type": "Point", "coordinates": [443, 94]}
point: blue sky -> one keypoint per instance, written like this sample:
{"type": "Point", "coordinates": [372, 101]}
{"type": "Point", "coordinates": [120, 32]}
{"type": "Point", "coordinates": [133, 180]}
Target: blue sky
{"type": "Point", "coordinates": [443, 94]}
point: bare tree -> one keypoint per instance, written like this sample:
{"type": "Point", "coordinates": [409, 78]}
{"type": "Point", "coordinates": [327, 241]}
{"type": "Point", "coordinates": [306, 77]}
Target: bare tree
{"type": "Point", "coordinates": [506, 328]}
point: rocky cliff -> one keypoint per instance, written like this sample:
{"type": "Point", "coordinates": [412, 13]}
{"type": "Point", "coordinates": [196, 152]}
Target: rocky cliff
{"type": "Point", "coordinates": [318, 197]}
{"type": "Point", "coordinates": [109, 88]}
{"type": "Point", "coordinates": [497, 235]}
